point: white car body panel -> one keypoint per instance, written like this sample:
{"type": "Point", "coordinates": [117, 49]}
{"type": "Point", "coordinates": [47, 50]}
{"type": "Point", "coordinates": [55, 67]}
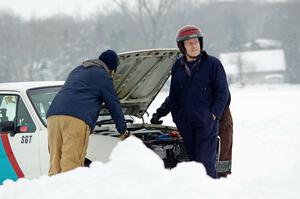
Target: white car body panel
{"type": "Point", "coordinates": [100, 147]}
{"type": "Point", "coordinates": [22, 150]}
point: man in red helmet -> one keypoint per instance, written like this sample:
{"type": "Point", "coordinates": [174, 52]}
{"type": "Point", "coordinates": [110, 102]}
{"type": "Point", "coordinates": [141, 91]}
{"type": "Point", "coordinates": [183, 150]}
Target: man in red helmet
{"type": "Point", "coordinates": [198, 95]}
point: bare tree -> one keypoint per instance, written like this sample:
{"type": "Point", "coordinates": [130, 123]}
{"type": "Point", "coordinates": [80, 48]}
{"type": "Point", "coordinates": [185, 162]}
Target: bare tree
{"type": "Point", "coordinates": [149, 17]}
{"type": "Point", "coordinates": [11, 47]}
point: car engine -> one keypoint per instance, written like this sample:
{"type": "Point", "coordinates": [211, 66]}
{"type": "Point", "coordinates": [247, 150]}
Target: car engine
{"type": "Point", "coordinates": [165, 141]}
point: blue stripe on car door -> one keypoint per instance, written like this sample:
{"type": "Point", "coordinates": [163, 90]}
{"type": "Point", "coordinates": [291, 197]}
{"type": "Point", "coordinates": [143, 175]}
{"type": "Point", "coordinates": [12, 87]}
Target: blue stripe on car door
{"type": "Point", "coordinates": [6, 170]}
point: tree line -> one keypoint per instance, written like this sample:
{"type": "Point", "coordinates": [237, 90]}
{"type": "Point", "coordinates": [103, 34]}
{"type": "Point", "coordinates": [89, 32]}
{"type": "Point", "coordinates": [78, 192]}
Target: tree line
{"type": "Point", "coordinates": [47, 49]}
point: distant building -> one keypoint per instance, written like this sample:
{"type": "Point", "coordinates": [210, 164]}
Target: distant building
{"type": "Point", "coordinates": [252, 67]}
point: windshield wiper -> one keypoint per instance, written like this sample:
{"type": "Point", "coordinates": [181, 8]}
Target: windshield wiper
{"type": "Point", "coordinates": [111, 121]}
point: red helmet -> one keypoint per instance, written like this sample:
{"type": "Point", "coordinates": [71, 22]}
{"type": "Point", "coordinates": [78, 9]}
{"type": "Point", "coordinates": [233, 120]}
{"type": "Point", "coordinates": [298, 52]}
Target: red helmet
{"type": "Point", "coordinates": [188, 32]}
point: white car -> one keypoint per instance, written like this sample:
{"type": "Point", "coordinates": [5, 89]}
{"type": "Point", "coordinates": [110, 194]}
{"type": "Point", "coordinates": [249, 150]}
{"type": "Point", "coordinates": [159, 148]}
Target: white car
{"type": "Point", "coordinates": [23, 107]}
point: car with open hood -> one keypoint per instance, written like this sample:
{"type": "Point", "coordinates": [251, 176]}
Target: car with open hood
{"type": "Point", "coordinates": [138, 80]}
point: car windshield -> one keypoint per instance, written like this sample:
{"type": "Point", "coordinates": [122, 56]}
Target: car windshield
{"type": "Point", "coordinates": [41, 99]}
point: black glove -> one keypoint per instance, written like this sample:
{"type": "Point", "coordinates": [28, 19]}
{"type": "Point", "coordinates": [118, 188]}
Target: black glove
{"type": "Point", "coordinates": [124, 135]}
{"type": "Point", "coordinates": [155, 119]}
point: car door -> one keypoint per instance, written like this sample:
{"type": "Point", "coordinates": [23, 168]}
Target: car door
{"type": "Point", "coordinates": [19, 143]}
{"type": "Point", "coordinates": [40, 98]}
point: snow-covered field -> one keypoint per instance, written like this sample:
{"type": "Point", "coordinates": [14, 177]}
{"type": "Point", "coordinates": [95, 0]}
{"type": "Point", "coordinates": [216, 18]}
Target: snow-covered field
{"type": "Point", "coordinates": [266, 160]}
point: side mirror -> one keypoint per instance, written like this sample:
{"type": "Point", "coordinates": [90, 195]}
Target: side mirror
{"type": "Point", "coordinates": [6, 127]}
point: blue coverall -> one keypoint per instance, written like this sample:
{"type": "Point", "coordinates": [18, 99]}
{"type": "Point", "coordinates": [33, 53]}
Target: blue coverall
{"type": "Point", "coordinates": [197, 91]}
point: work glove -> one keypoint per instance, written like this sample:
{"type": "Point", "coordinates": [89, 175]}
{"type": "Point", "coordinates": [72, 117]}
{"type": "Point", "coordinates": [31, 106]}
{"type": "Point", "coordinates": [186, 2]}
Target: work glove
{"type": "Point", "coordinates": [124, 135]}
{"type": "Point", "coordinates": [155, 119]}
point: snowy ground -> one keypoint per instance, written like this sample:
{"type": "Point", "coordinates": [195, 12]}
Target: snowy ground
{"type": "Point", "coordinates": [266, 160]}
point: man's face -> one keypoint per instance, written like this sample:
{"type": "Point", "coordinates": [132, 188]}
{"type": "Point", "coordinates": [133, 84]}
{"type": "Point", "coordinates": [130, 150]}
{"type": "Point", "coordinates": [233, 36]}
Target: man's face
{"type": "Point", "coordinates": [192, 47]}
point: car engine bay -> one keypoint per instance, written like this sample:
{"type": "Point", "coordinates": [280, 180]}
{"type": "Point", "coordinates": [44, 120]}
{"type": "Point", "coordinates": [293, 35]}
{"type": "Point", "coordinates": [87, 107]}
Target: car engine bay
{"type": "Point", "coordinates": [165, 141]}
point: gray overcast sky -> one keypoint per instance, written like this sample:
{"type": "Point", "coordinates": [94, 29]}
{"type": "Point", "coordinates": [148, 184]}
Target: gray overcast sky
{"type": "Point", "coordinates": [45, 8]}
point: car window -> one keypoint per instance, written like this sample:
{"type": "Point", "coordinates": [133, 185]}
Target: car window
{"type": "Point", "coordinates": [12, 108]}
{"type": "Point", "coordinates": [41, 98]}
{"type": "Point", "coordinates": [8, 107]}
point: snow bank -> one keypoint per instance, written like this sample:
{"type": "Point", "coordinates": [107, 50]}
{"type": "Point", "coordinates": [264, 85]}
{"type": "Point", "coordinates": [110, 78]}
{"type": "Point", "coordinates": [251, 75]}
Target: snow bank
{"type": "Point", "coordinates": [266, 158]}
{"type": "Point", "coordinates": [133, 172]}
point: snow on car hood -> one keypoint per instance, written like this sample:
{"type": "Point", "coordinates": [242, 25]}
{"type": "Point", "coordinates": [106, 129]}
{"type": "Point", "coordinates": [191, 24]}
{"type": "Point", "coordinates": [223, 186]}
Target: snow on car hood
{"type": "Point", "coordinates": [140, 76]}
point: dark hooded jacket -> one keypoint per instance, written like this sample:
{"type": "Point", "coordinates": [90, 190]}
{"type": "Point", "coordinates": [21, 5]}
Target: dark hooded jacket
{"type": "Point", "coordinates": [84, 91]}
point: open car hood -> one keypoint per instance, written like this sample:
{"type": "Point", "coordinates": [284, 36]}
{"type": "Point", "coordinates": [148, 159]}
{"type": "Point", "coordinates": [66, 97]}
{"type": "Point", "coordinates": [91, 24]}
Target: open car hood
{"type": "Point", "coordinates": [140, 76]}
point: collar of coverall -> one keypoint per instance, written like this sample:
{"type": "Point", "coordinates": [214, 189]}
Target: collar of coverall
{"type": "Point", "coordinates": [95, 62]}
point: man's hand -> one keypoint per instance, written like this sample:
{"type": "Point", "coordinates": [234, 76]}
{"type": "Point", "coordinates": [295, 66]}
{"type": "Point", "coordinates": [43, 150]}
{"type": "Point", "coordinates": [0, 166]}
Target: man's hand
{"type": "Point", "coordinates": [124, 135]}
{"type": "Point", "coordinates": [155, 119]}
{"type": "Point", "coordinates": [214, 117]}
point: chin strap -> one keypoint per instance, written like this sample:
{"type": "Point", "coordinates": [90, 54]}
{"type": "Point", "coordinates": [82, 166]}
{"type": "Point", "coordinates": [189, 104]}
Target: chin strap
{"type": "Point", "coordinates": [195, 57]}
